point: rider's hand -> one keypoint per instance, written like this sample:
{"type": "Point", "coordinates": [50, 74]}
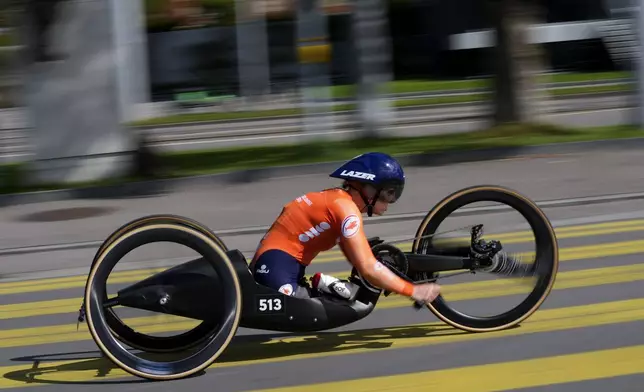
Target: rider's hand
{"type": "Point", "coordinates": [425, 293]}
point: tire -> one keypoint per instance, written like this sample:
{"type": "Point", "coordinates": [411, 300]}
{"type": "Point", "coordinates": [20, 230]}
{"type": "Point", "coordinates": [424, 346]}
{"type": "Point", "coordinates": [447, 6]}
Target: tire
{"type": "Point", "coordinates": [160, 218]}
{"type": "Point", "coordinates": [547, 256]}
{"type": "Point", "coordinates": [95, 294]}
{"type": "Point", "coordinates": [145, 342]}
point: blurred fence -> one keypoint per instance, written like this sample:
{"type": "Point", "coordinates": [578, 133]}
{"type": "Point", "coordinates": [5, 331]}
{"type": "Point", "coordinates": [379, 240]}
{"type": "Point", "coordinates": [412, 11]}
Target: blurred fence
{"type": "Point", "coordinates": [439, 40]}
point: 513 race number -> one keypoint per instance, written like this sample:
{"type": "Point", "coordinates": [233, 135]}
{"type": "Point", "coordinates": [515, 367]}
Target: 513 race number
{"type": "Point", "coordinates": [269, 304]}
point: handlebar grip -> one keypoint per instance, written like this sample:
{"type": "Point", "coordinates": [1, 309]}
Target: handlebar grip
{"type": "Point", "coordinates": [418, 305]}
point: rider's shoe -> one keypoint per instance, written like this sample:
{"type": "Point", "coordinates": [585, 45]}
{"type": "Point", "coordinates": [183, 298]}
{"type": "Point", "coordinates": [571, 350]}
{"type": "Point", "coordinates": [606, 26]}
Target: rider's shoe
{"type": "Point", "coordinates": [330, 285]}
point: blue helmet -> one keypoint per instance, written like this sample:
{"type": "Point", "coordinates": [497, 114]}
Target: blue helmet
{"type": "Point", "coordinates": [380, 170]}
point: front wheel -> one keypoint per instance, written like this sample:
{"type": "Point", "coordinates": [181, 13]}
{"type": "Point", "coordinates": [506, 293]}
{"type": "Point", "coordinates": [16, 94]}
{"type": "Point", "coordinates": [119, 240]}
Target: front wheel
{"type": "Point", "coordinates": [546, 256]}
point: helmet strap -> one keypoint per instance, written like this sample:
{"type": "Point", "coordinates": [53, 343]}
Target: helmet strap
{"type": "Point", "coordinates": [373, 203]}
{"type": "Point", "coordinates": [369, 204]}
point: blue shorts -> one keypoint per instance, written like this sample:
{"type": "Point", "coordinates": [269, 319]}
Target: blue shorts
{"type": "Point", "coordinates": [280, 271]}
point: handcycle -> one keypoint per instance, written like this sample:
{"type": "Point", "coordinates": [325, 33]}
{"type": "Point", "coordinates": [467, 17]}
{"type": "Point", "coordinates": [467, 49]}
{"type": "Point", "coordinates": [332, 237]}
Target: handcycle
{"type": "Point", "coordinates": [218, 289]}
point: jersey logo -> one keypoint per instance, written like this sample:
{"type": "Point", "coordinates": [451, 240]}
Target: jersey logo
{"type": "Point", "coordinates": [357, 174]}
{"type": "Point", "coordinates": [305, 199]}
{"type": "Point", "coordinates": [350, 226]}
{"type": "Point", "coordinates": [314, 232]}
{"type": "Point", "coordinates": [262, 269]}
{"type": "Point", "coordinates": [286, 289]}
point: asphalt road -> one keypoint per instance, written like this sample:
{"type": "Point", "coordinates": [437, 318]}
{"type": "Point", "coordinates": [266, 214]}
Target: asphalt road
{"type": "Point", "coordinates": [587, 336]}
{"type": "Point", "coordinates": [224, 206]}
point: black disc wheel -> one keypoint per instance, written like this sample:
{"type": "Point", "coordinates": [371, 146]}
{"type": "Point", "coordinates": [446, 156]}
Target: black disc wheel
{"type": "Point", "coordinates": [546, 261]}
{"type": "Point", "coordinates": [203, 344]}
{"type": "Point", "coordinates": [146, 342]}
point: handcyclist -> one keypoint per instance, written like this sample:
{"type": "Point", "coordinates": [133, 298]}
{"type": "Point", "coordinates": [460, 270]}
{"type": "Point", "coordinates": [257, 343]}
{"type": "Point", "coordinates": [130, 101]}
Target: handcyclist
{"type": "Point", "coordinates": [317, 221]}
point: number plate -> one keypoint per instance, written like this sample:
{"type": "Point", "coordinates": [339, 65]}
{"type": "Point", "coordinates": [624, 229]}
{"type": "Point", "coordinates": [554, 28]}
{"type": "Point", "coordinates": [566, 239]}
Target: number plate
{"type": "Point", "coordinates": [269, 304]}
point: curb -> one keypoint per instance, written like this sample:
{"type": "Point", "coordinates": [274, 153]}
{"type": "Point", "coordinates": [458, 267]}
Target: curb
{"type": "Point", "coordinates": [156, 187]}
{"type": "Point", "coordinates": [403, 217]}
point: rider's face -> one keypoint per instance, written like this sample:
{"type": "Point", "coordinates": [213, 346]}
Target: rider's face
{"type": "Point", "coordinates": [381, 204]}
{"type": "Point", "coordinates": [380, 208]}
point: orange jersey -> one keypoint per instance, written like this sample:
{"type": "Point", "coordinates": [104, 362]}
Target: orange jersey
{"type": "Point", "coordinates": [316, 222]}
{"type": "Point", "coordinates": [311, 224]}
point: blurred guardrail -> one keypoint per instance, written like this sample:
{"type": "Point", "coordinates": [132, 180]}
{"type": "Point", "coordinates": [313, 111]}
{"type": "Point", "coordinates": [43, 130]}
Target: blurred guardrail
{"type": "Point", "coordinates": [14, 141]}
{"type": "Point", "coordinates": [290, 128]}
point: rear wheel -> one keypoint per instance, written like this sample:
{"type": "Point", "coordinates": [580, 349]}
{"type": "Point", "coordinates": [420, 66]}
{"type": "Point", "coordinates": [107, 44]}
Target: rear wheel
{"type": "Point", "coordinates": [211, 341]}
{"type": "Point", "coordinates": [546, 257]}
{"type": "Point", "coordinates": [157, 343]}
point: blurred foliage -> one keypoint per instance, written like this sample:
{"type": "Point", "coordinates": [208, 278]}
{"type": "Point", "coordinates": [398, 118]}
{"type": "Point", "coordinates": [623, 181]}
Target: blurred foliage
{"type": "Point", "coordinates": [12, 178]}
{"type": "Point", "coordinates": [402, 103]}
{"type": "Point", "coordinates": [5, 100]}
{"type": "Point", "coordinates": [179, 164]}
{"type": "Point", "coordinates": [509, 135]}
{"type": "Point", "coordinates": [214, 13]}
{"type": "Point", "coordinates": [6, 39]}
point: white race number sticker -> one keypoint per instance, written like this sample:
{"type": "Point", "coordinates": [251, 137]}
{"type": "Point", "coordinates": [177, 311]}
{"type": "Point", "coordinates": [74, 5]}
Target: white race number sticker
{"type": "Point", "coordinates": [270, 305]}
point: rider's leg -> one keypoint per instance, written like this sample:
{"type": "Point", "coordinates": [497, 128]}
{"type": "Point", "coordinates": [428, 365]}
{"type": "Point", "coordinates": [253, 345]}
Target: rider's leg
{"type": "Point", "coordinates": [280, 271]}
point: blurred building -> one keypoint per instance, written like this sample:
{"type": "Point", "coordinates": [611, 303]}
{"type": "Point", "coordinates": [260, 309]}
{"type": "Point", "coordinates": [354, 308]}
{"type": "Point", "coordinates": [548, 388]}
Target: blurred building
{"type": "Point", "coordinates": [422, 33]}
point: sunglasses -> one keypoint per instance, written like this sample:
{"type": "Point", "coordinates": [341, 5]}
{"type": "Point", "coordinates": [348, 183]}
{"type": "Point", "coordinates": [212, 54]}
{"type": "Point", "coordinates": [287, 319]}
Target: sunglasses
{"type": "Point", "coordinates": [390, 194]}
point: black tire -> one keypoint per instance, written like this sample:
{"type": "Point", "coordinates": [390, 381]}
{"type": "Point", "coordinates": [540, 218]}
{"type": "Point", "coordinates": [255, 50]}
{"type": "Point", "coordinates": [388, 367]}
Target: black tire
{"type": "Point", "coordinates": [547, 256]}
{"type": "Point", "coordinates": [160, 218]}
{"type": "Point", "coordinates": [215, 340]}
{"type": "Point", "coordinates": [145, 342]}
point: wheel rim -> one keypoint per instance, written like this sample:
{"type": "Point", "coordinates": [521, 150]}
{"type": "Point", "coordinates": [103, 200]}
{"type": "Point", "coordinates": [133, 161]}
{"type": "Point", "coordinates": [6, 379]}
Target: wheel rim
{"type": "Point", "coordinates": [145, 342]}
{"type": "Point", "coordinates": [216, 342]}
{"type": "Point", "coordinates": [546, 255]}
{"type": "Point", "coordinates": [160, 344]}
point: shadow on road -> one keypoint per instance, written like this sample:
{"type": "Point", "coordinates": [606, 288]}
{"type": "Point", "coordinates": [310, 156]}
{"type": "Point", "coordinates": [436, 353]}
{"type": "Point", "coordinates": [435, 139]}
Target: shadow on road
{"type": "Point", "coordinates": [91, 368]}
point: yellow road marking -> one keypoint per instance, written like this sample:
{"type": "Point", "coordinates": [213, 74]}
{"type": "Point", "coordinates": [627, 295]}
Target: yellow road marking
{"type": "Point", "coordinates": [609, 249]}
{"type": "Point", "coordinates": [527, 235]}
{"type": "Point", "coordinates": [347, 342]}
{"type": "Point", "coordinates": [498, 288]}
{"type": "Point", "coordinates": [343, 343]}
{"type": "Point", "coordinates": [163, 322]}
{"type": "Point", "coordinates": [438, 333]}
{"type": "Point", "coordinates": [502, 376]}
{"type": "Point", "coordinates": [453, 292]}
{"type": "Point", "coordinates": [329, 256]}
{"type": "Point", "coordinates": [570, 253]}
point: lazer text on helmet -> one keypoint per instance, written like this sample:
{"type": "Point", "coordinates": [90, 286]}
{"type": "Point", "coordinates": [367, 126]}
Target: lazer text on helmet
{"type": "Point", "coordinates": [357, 174]}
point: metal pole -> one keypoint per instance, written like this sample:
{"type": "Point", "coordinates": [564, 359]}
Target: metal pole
{"type": "Point", "coordinates": [639, 61]}
{"type": "Point", "coordinates": [252, 48]}
{"type": "Point", "coordinates": [370, 21]}
{"type": "Point", "coordinates": [314, 56]}
{"type": "Point", "coordinates": [130, 46]}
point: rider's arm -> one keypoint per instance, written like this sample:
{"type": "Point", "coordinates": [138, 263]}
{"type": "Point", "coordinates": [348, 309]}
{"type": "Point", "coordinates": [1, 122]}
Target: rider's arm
{"type": "Point", "coordinates": [355, 246]}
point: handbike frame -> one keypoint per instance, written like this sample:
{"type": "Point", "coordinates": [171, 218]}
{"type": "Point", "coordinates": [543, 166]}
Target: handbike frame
{"type": "Point", "coordinates": [234, 299]}
{"type": "Point", "coordinates": [190, 290]}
